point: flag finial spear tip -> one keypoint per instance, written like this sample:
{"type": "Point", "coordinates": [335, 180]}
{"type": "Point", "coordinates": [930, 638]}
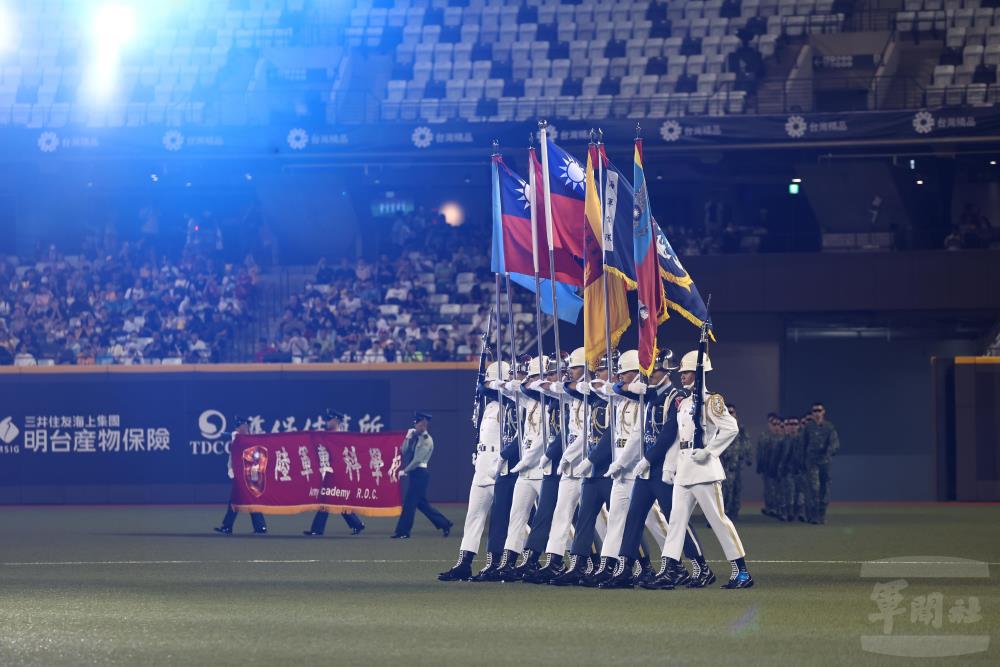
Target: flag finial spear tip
{"type": "Point", "coordinates": [542, 124]}
{"type": "Point", "coordinates": [638, 131]}
{"type": "Point", "coordinates": [496, 146]}
{"type": "Point", "coordinates": [600, 135]}
{"type": "Point", "coordinates": [593, 135]}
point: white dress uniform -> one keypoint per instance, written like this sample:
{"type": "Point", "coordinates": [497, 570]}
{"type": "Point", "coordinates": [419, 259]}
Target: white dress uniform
{"type": "Point", "coordinates": [625, 455]}
{"type": "Point", "coordinates": [529, 481]}
{"type": "Point", "coordinates": [481, 490]}
{"type": "Point", "coordinates": [697, 477]}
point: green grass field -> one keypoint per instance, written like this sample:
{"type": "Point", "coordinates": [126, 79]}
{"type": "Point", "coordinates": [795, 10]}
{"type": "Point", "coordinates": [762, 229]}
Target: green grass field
{"type": "Point", "coordinates": [150, 585]}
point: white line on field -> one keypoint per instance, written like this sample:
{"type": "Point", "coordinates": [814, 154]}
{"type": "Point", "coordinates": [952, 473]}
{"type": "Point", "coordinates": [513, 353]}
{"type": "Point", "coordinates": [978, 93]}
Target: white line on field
{"type": "Point", "coordinates": [400, 561]}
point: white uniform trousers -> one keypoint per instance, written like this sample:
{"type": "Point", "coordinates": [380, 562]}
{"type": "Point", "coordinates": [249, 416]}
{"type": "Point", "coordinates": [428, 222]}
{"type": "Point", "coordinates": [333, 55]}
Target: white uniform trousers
{"type": "Point", "coordinates": [708, 496]}
{"type": "Point", "coordinates": [526, 492]}
{"type": "Point", "coordinates": [621, 496]}
{"type": "Point", "coordinates": [480, 501]}
{"type": "Point", "coordinates": [561, 533]}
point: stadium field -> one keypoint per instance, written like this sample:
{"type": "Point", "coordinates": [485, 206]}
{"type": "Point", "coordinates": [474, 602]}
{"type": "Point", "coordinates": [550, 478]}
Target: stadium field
{"type": "Point", "coordinates": [154, 585]}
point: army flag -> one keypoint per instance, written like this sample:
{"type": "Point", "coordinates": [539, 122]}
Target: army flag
{"type": "Point", "coordinates": [651, 297]}
{"type": "Point", "coordinates": [681, 293]}
{"type": "Point", "coordinates": [619, 204]}
{"type": "Point", "coordinates": [512, 242]}
{"type": "Point", "coordinates": [600, 316]}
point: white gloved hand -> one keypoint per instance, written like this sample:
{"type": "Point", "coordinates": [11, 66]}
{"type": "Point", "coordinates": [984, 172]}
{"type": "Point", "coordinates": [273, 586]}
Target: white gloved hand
{"type": "Point", "coordinates": [637, 387]}
{"type": "Point", "coordinates": [495, 385]}
{"type": "Point", "coordinates": [511, 385]}
{"type": "Point", "coordinates": [668, 476]}
{"type": "Point", "coordinates": [497, 468]}
{"type": "Point", "coordinates": [583, 387]}
{"type": "Point", "coordinates": [518, 468]}
{"type": "Point", "coordinates": [642, 467]}
{"type": "Point", "coordinates": [402, 473]}
{"type": "Point", "coordinates": [565, 467]}
{"type": "Point", "coordinates": [613, 470]}
{"type": "Point", "coordinates": [700, 455]}
{"type": "Point", "coordinates": [583, 469]}
{"type": "Point", "coordinates": [544, 463]}
{"type": "Point", "coordinates": [231, 475]}
{"type": "Point", "coordinates": [536, 385]}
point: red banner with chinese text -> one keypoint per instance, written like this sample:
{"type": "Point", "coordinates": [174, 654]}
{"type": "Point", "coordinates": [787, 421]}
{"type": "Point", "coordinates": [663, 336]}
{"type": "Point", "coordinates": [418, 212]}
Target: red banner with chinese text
{"type": "Point", "coordinates": [288, 473]}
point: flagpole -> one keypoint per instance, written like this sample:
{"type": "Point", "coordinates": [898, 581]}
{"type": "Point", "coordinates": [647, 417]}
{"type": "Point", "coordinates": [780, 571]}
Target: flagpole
{"type": "Point", "coordinates": [543, 127]}
{"type": "Point", "coordinates": [588, 429]}
{"type": "Point", "coordinates": [513, 356]}
{"type": "Point", "coordinates": [538, 288]}
{"type": "Point", "coordinates": [503, 413]}
{"type": "Point", "coordinates": [638, 302]}
{"type": "Point", "coordinates": [604, 279]}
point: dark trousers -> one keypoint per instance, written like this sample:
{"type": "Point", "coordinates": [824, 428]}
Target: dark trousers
{"type": "Point", "coordinates": [350, 518]}
{"type": "Point", "coordinates": [595, 494]}
{"type": "Point", "coordinates": [644, 493]}
{"type": "Point", "coordinates": [541, 524]}
{"type": "Point", "coordinates": [503, 497]}
{"type": "Point", "coordinates": [256, 518]}
{"type": "Point", "coordinates": [416, 499]}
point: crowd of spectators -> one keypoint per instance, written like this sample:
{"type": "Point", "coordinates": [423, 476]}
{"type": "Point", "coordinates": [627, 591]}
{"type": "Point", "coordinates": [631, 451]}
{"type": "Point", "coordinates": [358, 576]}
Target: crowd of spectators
{"type": "Point", "coordinates": [120, 303]}
{"type": "Point", "coordinates": [390, 310]}
{"type": "Point", "coordinates": [972, 230]}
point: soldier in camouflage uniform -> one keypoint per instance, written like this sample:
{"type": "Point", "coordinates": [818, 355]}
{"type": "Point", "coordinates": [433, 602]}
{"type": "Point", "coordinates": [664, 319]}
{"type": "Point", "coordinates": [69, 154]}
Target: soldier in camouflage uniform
{"type": "Point", "coordinates": [821, 445]}
{"type": "Point", "coordinates": [765, 448]}
{"type": "Point", "coordinates": [795, 468]}
{"type": "Point", "coordinates": [733, 459]}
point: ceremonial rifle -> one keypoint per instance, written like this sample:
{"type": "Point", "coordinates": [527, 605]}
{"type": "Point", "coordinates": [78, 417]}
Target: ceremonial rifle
{"type": "Point", "coordinates": [699, 380]}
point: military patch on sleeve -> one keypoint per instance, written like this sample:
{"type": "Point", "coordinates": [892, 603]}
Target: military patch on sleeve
{"type": "Point", "coordinates": [717, 405]}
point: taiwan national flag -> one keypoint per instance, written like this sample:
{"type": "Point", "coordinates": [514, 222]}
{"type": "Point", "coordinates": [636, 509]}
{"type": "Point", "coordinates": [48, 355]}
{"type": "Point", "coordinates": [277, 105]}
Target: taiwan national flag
{"type": "Point", "coordinates": [512, 244]}
{"type": "Point", "coordinates": [652, 300]}
{"type": "Point", "coordinates": [567, 189]}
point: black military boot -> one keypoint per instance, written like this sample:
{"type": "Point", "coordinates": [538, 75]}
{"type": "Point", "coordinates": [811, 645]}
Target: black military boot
{"type": "Point", "coordinates": [462, 570]}
{"type": "Point", "coordinates": [527, 567]}
{"type": "Point", "coordinates": [646, 572]}
{"type": "Point", "coordinates": [671, 572]}
{"type": "Point", "coordinates": [489, 572]}
{"type": "Point", "coordinates": [573, 574]}
{"type": "Point", "coordinates": [507, 565]}
{"type": "Point", "coordinates": [739, 576]}
{"type": "Point", "coordinates": [601, 574]}
{"type": "Point", "coordinates": [553, 568]}
{"type": "Point", "coordinates": [701, 576]}
{"type": "Point", "coordinates": [622, 578]}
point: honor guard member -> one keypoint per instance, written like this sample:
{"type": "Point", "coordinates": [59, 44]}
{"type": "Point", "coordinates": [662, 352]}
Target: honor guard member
{"type": "Point", "coordinates": [625, 455]}
{"type": "Point", "coordinates": [510, 456]}
{"type": "Point", "coordinates": [568, 489]}
{"type": "Point", "coordinates": [697, 477]}
{"type": "Point", "coordinates": [483, 480]}
{"type": "Point", "coordinates": [242, 427]}
{"type": "Point", "coordinates": [733, 460]}
{"type": "Point", "coordinates": [658, 433]}
{"type": "Point", "coordinates": [541, 523]}
{"type": "Point", "coordinates": [765, 446]}
{"type": "Point", "coordinates": [335, 421]}
{"type": "Point", "coordinates": [417, 449]}
{"type": "Point", "coordinates": [821, 444]}
{"type": "Point", "coordinates": [529, 472]}
{"type": "Point", "coordinates": [595, 490]}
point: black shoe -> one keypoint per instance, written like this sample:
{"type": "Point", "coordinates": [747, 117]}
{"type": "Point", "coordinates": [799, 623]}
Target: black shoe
{"type": "Point", "coordinates": [354, 531]}
{"type": "Point", "coordinates": [622, 578]}
{"type": "Point", "coordinates": [260, 531]}
{"type": "Point", "coordinates": [312, 533]}
{"type": "Point", "coordinates": [223, 530]}
{"type": "Point", "coordinates": [489, 571]}
{"type": "Point", "coordinates": [668, 578]}
{"type": "Point", "coordinates": [545, 574]}
{"type": "Point", "coordinates": [646, 574]}
{"type": "Point", "coordinates": [462, 570]}
{"type": "Point", "coordinates": [742, 579]}
{"type": "Point", "coordinates": [447, 530]}
{"type": "Point", "coordinates": [573, 574]}
{"type": "Point", "coordinates": [603, 573]}
{"type": "Point", "coordinates": [399, 536]}
{"type": "Point", "coordinates": [704, 577]}
{"type": "Point", "coordinates": [507, 566]}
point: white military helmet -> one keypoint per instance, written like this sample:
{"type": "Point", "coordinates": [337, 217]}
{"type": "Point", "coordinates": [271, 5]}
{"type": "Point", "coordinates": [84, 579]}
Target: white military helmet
{"type": "Point", "coordinates": [577, 358]}
{"type": "Point", "coordinates": [497, 370]}
{"type": "Point", "coordinates": [689, 362]}
{"type": "Point", "coordinates": [535, 365]}
{"type": "Point", "coordinates": [629, 361]}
